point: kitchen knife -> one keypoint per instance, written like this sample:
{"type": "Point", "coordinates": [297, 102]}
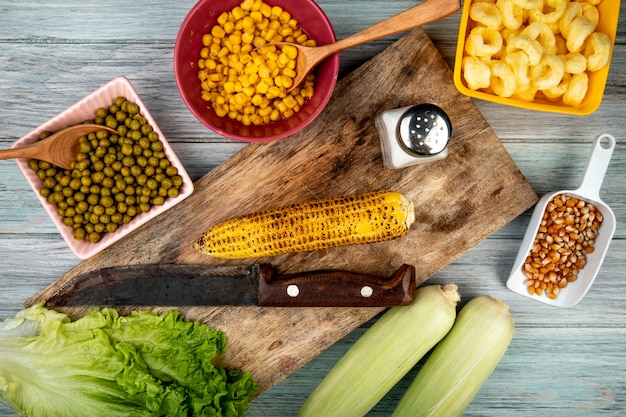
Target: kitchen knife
{"type": "Point", "coordinates": [194, 285]}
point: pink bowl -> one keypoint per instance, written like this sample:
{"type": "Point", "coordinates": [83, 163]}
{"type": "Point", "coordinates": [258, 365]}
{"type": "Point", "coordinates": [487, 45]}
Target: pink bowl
{"type": "Point", "coordinates": [77, 113]}
{"type": "Point", "coordinates": [199, 21]}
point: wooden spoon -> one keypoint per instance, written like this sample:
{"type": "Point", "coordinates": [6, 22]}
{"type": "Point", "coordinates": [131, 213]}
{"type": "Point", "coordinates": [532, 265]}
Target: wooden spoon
{"type": "Point", "coordinates": [424, 13]}
{"type": "Point", "coordinates": [59, 149]}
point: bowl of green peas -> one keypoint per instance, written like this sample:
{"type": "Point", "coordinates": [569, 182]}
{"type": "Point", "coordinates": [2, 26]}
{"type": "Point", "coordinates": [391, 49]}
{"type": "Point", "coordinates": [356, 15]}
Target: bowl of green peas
{"type": "Point", "coordinates": [118, 181]}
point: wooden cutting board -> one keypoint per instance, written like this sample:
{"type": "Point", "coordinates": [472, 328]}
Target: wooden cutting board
{"type": "Point", "coordinates": [459, 201]}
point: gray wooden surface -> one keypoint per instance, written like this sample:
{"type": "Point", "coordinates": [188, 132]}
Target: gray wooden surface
{"type": "Point", "coordinates": [561, 362]}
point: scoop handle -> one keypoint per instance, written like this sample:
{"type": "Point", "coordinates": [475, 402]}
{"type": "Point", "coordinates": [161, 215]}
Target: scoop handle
{"type": "Point", "coordinates": [597, 164]}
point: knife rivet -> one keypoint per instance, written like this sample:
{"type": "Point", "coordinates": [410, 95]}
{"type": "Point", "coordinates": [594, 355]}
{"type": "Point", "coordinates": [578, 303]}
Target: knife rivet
{"type": "Point", "coordinates": [293, 290]}
{"type": "Point", "coordinates": [367, 291]}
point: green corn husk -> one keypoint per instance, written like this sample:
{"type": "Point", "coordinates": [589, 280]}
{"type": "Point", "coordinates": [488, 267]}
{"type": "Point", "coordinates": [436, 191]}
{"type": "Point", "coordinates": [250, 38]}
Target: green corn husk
{"type": "Point", "coordinates": [384, 354]}
{"type": "Point", "coordinates": [461, 363]}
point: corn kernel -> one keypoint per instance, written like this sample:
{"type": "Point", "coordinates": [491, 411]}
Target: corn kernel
{"type": "Point", "coordinates": [263, 71]}
{"type": "Point", "coordinates": [283, 59]}
{"type": "Point", "coordinates": [266, 9]}
{"type": "Point", "coordinates": [248, 23]}
{"type": "Point", "coordinates": [222, 19]}
{"type": "Point", "coordinates": [256, 16]}
{"type": "Point", "coordinates": [274, 92]}
{"type": "Point", "coordinates": [262, 87]}
{"type": "Point", "coordinates": [280, 106]}
{"type": "Point", "coordinates": [238, 13]}
{"type": "Point", "coordinates": [290, 102]}
{"type": "Point", "coordinates": [235, 39]}
{"type": "Point", "coordinates": [258, 41]}
{"type": "Point", "coordinates": [284, 17]}
{"type": "Point", "coordinates": [276, 11]}
{"type": "Point", "coordinates": [286, 81]}
{"type": "Point", "coordinates": [223, 53]}
{"type": "Point", "coordinates": [205, 95]}
{"type": "Point", "coordinates": [269, 34]}
{"type": "Point", "coordinates": [207, 39]}
{"type": "Point", "coordinates": [247, 4]}
{"type": "Point", "coordinates": [265, 111]}
{"type": "Point", "coordinates": [249, 91]}
{"type": "Point", "coordinates": [247, 38]}
{"type": "Point", "coordinates": [289, 72]}
{"type": "Point", "coordinates": [257, 100]}
{"type": "Point", "coordinates": [217, 32]}
{"type": "Point", "coordinates": [229, 27]}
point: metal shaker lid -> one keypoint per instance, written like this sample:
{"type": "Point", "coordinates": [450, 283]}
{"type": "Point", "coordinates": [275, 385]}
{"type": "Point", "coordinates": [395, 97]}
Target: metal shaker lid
{"type": "Point", "coordinates": [424, 130]}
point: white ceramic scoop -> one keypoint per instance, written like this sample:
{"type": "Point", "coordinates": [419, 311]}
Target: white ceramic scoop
{"type": "Point", "coordinates": [589, 191]}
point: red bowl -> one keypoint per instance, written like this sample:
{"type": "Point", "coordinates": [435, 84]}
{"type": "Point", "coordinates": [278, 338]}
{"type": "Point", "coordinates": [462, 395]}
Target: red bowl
{"type": "Point", "coordinates": [199, 21]}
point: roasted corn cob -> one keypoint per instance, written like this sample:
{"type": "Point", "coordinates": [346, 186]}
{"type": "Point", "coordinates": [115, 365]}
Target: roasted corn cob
{"type": "Point", "coordinates": [310, 226]}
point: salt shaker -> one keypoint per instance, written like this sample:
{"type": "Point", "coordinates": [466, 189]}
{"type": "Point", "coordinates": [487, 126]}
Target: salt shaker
{"type": "Point", "coordinates": [414, 134]}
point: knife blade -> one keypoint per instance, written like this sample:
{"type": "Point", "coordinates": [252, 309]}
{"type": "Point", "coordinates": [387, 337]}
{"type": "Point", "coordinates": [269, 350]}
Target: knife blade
{"type": "Point", "coordinates": [202, 285]}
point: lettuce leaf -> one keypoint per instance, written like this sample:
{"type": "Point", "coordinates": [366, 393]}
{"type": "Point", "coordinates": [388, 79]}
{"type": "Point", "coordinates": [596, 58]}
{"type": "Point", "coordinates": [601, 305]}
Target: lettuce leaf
{"type": "Point", "coordinates": [143, 364]}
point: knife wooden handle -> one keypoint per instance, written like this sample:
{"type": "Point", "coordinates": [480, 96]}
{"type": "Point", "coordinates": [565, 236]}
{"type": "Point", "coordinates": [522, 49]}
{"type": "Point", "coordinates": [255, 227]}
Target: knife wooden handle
{"type": "Point", "coordinates": [335, 288]}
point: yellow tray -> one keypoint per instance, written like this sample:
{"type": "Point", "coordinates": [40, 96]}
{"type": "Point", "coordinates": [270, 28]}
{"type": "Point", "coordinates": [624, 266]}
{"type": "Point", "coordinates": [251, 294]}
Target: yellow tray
{"type": "Point", "coordinates": [609, 14]}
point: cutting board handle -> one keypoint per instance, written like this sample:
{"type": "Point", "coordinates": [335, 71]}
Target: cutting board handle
{"type": "Point", "coordinates": [335, 288]}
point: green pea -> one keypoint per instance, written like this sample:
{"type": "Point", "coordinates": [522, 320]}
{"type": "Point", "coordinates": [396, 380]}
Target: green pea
{"type": "Point", "coordinates": [106, 201]}
{"type": "Point", "coordinates": [82, 207]}
{"type": "Point", "coordinates": [49, 182]}
{"type": "Point", "coordinates": [93, 237]}
{"type": "Point", "coordinates": [108, 182]}
{"type": "Point", "coordinates": [79, 234]}
{"type": "Point", "coordinates": [132, 108]}
{"type": "Point", "coordinates": [127, 149]}
{"type": "Point", "coordinates": [128, 161]}
{"type": "Point", "coordinates": [93, 199]}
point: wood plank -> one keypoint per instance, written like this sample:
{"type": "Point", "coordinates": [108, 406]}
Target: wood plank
{"type": "Point", "coordinates": [459, 202]}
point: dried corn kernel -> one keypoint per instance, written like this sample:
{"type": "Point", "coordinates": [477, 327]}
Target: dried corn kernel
{"type": "Point", "coordinates": [310, 226]}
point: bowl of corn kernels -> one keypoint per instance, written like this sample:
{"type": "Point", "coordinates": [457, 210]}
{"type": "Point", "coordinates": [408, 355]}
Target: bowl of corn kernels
{"type": "Point", "coordinates": [236, 84]}
{"type": "Point", "coordinates": [118, 182]}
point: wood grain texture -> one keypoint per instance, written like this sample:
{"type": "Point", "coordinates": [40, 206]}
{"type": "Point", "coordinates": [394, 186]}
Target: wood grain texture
{"type": "Point", "coordinates": [561, 363]}
{"type": "Point", "coordinates": [459, 202]}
